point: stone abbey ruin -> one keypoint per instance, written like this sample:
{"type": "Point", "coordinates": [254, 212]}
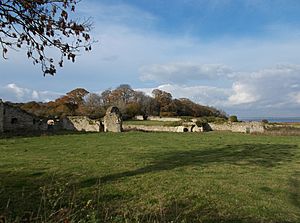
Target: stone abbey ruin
{"type": "Point", "coordinates": [15, 120]}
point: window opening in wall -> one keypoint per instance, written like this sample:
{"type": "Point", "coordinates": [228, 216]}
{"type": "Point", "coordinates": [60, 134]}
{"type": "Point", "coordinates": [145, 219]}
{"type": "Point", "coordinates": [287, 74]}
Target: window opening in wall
{"type": "Point", "coordinates": [14, 120]}
{"type": "Point", "coordinates": [185, 130]}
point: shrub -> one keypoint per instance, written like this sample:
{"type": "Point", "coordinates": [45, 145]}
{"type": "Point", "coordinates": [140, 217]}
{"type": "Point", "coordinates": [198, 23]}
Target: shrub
{"type": "Point", "coordinates": [201, 123]}
{"type": "Point", "coordinates": [186, 118]}
{"type": "Point", "coordinates": [220, 120]}
{"type": "Point", "coordinates": [213, 119]}
{"type": "Point", "coordinates": [168, 114]}
{"type": "Point", "coordinates": [233, 118]}
{"type": "Point", "coordinates": [173, 124]}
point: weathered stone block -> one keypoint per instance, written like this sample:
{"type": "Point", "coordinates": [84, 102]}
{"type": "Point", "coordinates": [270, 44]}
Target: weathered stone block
{"type": "Point", "coordinates": [80, 123]}
{"type": "Point", "coordinates": [113, 120]}
{"type": "Point", "coordinates": [244, 127]}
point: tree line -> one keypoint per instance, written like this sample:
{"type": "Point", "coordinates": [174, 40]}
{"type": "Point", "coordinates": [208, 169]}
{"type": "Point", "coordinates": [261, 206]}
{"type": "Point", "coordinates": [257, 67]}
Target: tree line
{"type": "Point", "coordinates": [130, 102]}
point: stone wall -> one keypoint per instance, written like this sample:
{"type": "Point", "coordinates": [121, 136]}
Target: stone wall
{"type": "Point", "coordinates": [163, 119]}
{"type": "Point", "coordinates": [112, 120]}
{"type": "Point", "coordinates": [139, 117]}
{"type": "Point", "coordinates": [15, 119]}
{"type": "Point", "coordinates": [162, 128]}
{"type": "Point", "coordinates": [81, 123]}
{"type": "Point", "coordinates": [244, 127]}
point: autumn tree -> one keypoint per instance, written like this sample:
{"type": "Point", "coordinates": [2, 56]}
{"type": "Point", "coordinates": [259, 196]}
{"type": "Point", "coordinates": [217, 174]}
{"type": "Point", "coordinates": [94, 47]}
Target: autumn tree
{"type": "Point", "coordinates": [36, 108]}
{"type": "Point", "coordinates": [77, 95]}
{"type": "Point", "coordinates": [164, 100]}
{"type": "Point", "coordinates": [72, 103]}
{"type": "Point", "coordinates": [125, 93]}
{"type": "Point", "coordinates": [94, 105]}
{"type": "Point", "coordinates": [130, 102]}
{"type": "Point", "coordinates": [107, 100]}
{"type": "Point", "coordinates": [38, 25]}
{"type": "Point", "coordinates": [124, 98]}
{"type": "Point", "coordinates": [148, 105]}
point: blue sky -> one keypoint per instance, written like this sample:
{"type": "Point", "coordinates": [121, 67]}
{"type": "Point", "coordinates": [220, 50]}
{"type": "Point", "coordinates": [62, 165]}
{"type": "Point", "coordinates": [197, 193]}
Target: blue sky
{"type": "Point", "coordinates": [242, 56]}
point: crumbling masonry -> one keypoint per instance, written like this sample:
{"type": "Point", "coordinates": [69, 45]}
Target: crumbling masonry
{"type": "Point", "coordinates": [113, 120]}
{"type": "Point", "coordinates": [13, 119]}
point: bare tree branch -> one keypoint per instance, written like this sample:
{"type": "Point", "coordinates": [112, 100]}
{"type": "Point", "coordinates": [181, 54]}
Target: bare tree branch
{"type": "Point", "coordinates": [39, 24]}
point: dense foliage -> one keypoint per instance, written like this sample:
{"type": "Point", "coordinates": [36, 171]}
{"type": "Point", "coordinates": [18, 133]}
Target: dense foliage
{"type": "Point", "coordinates": [129, 101]}
{"type": "Point", "coordinates": [233, 118]}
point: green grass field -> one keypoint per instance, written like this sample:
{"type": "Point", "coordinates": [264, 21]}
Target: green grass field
{"type": "Point", "coordinates": [150, 177]}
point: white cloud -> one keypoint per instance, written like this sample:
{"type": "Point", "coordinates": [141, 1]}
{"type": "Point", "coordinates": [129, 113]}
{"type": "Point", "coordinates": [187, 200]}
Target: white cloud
{"type": "Point", "coordinates": [18, 92]}
{"type": "Point", "coordinates": [295, 96]}
{"type": "Point", "coordinates": [267, 91]}
{"type": "Point", "coordinates": [35, 95]}
{"type": "Point", "coordinates": [15, 93]}
{"type": "Point", "coordinates": [243, 94]}
{"type": "Point", "coordinates": [182, 64]}
{"type": "Point", "coordinates": [271, 87]}
{"type": "Point", "coordinates": [183, 72]}
{"type": "Point", "coordinates": [205, 95]}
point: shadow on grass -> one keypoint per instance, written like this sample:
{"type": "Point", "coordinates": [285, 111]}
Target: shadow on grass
{"type": "Point", "coordinates": [294, 183]}
{"type": "Point", "coordinates": [184, 211]}
{"type": "Point", "coordinates": [40, 197]}
{"type": "Point", "coordinates": [27, 134]}
{"type": "Point", "coordinates": [187, 210]}
{"type": "Point", "coordinates": [264, 155]}
{"type": "Point", "coordinates": [21, 192]}
{"type": "Point", "coordinates": [24, 193]}
{"type": "Point", "coordinates": [58, 205]}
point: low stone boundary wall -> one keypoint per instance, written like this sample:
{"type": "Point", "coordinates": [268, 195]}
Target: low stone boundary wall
{"type": "Point", "coordinates": [163, 119]}
{"type": "Point", "coordinates": [162, 128]}
{"type": "Point", "coordinates": [244, 127]}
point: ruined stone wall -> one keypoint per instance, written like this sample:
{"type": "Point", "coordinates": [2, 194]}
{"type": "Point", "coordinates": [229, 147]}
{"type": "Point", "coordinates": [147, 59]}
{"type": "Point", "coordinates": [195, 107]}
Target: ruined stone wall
{"type": "Point", "coordinates": [1, 116]}
{"type": "Point", "coordinates": [80, 123]}
{"type": "Point", "coordinates": [150, 128]}
{"type": "Point", "coordinates": [162, 128]}
{"type": "Point", "coordinates": [244, 127]}
{"type": "Point", "coordinates": [15, 119]}
{"type": "Point", "coordinates": [139, 117]}
{"type": "Point", "coordinates": [112, 124]}
{"type": "Point", "coordinates": [113, 120]}
{"type": "Point", "coordinates": [163, 119]}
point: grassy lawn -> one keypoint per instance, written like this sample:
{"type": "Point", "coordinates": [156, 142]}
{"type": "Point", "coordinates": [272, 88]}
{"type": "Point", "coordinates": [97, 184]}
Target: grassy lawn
{"type": "Point", "coordinates": [151, 177]}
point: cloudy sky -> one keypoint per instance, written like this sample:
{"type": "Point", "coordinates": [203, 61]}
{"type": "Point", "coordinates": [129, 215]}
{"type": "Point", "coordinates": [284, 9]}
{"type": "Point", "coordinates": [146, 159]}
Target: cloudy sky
{"type": "Point", "coordinates": [242, 56]}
